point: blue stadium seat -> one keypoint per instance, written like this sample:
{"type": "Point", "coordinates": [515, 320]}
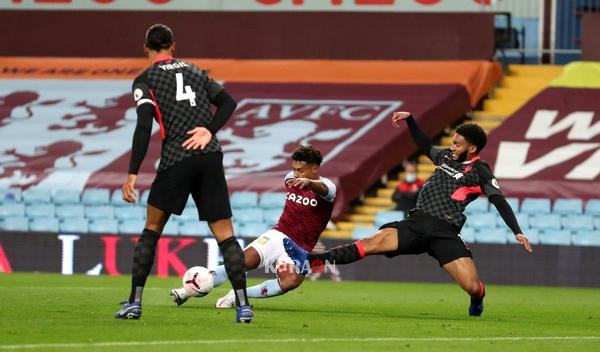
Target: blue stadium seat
{"type": "Point", "coordinates": [479, 220]}
{"type": "Point", "coordinates": [597, 222]}
{"type": "Point", "coordinates": [188, 214]}
{"type": "Point", "coordinates": [131, 226]}
{"type": "Point", "coordinates": [190, 203]}
{"type": "Point", "coordinates": [522, 219]}
{"type": "Point", "coordinates": [545, 222]}
{"type": "Point", "coordinates": [99, 212]}
{"type": "Point", "coordinates": [65, 196]}
{"type": "Point", "coordinates": [578, 222]}
{"type": "Point", "coordinates": [468, 234]}
{"type": "Point", "coordinates": [73, 225]}
{"type": "Point", "coordinates": [12, 209]}
{"type": "Point", "coordinates": [479, 205]}
{"type": "Point", "coordinates": [491, 235]}
{"type": "Point", "coordinates": [383, 217]}
{"type": "Point", "coordinates": [533, 235]}
{"type": "Point", "coordinates": [244, 199]}
{"type": "Point", "coordinates": [536, 206]}
{"type": "Point", "coordinates": [568, 206]}
{"type": "Point", "coordinates": [252, 229]}
{"type": "Point", "coordinates": [40, 211]}
{"type": "Point", "coordinates": [514, 203]}
{"type": "Point", "coordinates": [248, 215]}
{"type": "Point", "coordinates": [272, 200]}
{"type": "Point", "coordinates": [592, 207]}
{"type": "Point", "coordinates": [556, 237]}
{"type": "Point", "coordinates": [144, 198]}
{"type": "Point", "coordinates": [15, 223]}
{"type": "Point", "coordinates": [104, 226]}
{"type": "Point", "coordinates": [362, 232]}
{"type": "Point", "coordinates": [70, 211]}
{"type": "Point", "coordinates": [586, 238]}
{"type": "Point", "coordinates": [130, 213]}
{"type": "Point", "coordinates": [45, 224]}
{"type": "Point", "coordinates": [37, 196]}
{"type": "Point", "coordinates": [95, 196]}
{"type": "Point", "coordinates": [116, 199]}
{"type": "Point", "coordinates": [194, 228]}
{"type": "Point", "coordinates": [10, 195]}
{"type": "Point", "coordinates": [271, 216]}
{"type": "Point", "coordinates": [171, 228]}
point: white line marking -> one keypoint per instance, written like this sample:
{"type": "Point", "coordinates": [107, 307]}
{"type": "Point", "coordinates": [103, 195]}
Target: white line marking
{"type": "Point", "coordinates": [315, 340]}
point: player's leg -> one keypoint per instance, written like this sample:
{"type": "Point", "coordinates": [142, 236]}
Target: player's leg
{"type": "Point", "coordinates": [464, 272]}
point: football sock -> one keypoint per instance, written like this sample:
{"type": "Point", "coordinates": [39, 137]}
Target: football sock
{"type": "Point", "coordinates": [340, 255]}
{"type": "Point", "coordinates": [220, 275]}
{"type": "Point", "coordinates": [269, 288]}
{"type": "Point", "coordinates": [143, 259]}
{"type": "Point", "coordinates": [481, 293]}
{"type": "Point", "coordinates": [234, 260]}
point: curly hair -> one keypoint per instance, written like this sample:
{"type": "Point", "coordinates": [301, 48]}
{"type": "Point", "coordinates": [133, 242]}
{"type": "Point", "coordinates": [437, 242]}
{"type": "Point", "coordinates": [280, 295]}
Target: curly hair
{"type": "Point", "coordinates": [308, 154]}
{"type": "Point", "coordinates": [474, 134]}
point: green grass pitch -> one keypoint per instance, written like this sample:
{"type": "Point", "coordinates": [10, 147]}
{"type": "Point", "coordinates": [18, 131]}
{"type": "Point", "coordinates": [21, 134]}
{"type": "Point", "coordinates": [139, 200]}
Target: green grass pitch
{"type": "Point", "coordinates": [46, 312]}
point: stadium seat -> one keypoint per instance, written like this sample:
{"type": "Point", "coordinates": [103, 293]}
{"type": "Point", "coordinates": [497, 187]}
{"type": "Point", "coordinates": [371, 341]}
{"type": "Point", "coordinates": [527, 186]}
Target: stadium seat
{"type": "Point", "coordinates": [171, 228]}
{"type": "Point", "coordinates": [272, 200]}
{"type": "Point", "coordinates": [362, 232]}
{"type": "Point", "coordinates": [190, 203]}
{"type": "Point", "coordinates": [116, 199]}
{"type": "Point", "coordinates": [578, 222]}
{"type": "Point", "coordinates": [248, 215]}
{"type": "Point", "coordinates": [522, 219]}
{"type": "Point", "coordinates": [73, 225]}
{"type": "Point", "coordinates": [491, 235]}
{"type": "Point", "coordinates": [271, 216]}
{"type": "Point", "coordinates": [194, 228]}
{"type": "Point", "coordinates": [545, 222]}
{"type": "Point", "coordinates": [479, 220]}
{"type": "Point", "coordinates": [597, 223]}
{"type": "Point", "coordinates": [586, 238]}
{"type": "Point", "coordinates": [479, 205]}
{"type": "Point", "coordinates": [15, 223]}
{"type": "Point", "coordinates": [95, 196]}
{"type": "Point", "coordinates": [514, 203]}
{"type": "Point", "coordinates": [468, 234]}
{"type": "Point", "coordinates": [188, 214]}
{"type": "Point", "coordinates": [244, 200]}
{"type": "Point", "coordinates": [37, 196]}
{"type": "Point", "coordinates": [592, 207]}
{"type": "Point", "coordinates": [252, 229]}
{"type": "Point", "coordinates": [129, 212]}
{"type": "Point", "coordinates": [70, 211]}
{"type": "Point", "coordinates": [65, 196]}
{"type": "Point", "coordinates": [556, 237]}
{"type": "Point", "coordinates": [383, 217]}
{"type": "Point", "coordinates": [40, 211]}
{"type": "Point", "coordinates": [12, 209]}
{"type": "Point", "coordinates": [99, 212]}
{"type": "Point", "coordinates": [10, 195]}
{"type": "Point", "coordinates": [533, 235]}
{"type": "Point", "coordinates": [535, 206]}
{"type": "Point", "coordinates": [104, 226]}
{"type": "Point", "coordinates": [568, 206]}
{"type": "Point", "coordinates": [144, 198]}
{"type": "Point", "coordinates": [131, 226]}
{"type": "Point", "coordinates": [44, 224]}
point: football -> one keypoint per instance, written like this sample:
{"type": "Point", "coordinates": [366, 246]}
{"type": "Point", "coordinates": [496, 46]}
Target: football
{"type": "Point", "coordinates": [198, 281]}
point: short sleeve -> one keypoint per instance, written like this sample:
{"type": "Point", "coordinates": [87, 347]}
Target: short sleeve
{"type": "Point", "coordinates": [488, 182]}
{"type": "Point", "coordinates": [141, 91]}
{"type": "Point", "coordinates": [214, 88]}
{"type": "Point", "coordinates": [435, 153]}
{"type": "Point", "coordinates": [331, 189]}
{"type": "Point", "coordinates": [289, 175]}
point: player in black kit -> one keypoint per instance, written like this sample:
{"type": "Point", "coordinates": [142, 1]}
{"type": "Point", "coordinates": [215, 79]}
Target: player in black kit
{"type": "Point", "coordinates": [434, 225]}
{"type": "Point", "coordinates": [179, 95]}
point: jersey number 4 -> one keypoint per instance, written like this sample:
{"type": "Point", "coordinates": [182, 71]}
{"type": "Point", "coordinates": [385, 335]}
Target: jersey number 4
{"type": "Point", "coordinates": [184, 92]}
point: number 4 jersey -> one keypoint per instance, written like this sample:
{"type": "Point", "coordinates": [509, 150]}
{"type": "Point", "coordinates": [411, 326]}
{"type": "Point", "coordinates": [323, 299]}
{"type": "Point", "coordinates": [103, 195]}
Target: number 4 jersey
{"type": "Point", "coordinates": [181, 94]}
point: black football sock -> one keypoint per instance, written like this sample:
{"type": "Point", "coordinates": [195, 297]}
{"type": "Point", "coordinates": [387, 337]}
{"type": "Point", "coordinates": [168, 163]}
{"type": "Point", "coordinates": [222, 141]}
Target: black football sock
{"type": "Point", "coordinates": [340, 255]}
{"type": "Point", "coordinates": [235, 266]}
{"type": "Point", "coordinates": [143, 259]}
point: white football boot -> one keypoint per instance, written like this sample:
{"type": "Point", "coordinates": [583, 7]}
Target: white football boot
{"type": "Point", "coordinates": [227, 301]}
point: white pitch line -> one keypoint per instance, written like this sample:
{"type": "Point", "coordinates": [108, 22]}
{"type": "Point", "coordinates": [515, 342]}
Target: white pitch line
{"type": "Point", "coordinates": [315, 340]}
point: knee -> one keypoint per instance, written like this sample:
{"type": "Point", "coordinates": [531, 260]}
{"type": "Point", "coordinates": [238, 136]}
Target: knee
{"type": "Point", "coordinates": [288, 283]}
{"type": "Point", "coordinates": [474, 288]}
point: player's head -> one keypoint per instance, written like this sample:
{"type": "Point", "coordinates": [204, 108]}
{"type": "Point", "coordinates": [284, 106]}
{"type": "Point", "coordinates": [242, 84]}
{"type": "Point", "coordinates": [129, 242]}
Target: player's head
{"type": "Point", "coordinates": [159, 38]}
{"type": "Point", "coordinates": [306, 160]}
{"type": "Point", "coordinates": [469, 141]}
{"type": "Point", "coordinates": [410, 171]}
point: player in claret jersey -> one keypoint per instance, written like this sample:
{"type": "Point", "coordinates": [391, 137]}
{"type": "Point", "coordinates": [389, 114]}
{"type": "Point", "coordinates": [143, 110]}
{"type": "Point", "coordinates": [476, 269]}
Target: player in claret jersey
{"type": "Point", "coordinates": [308, 207]}
{"type": "Point", "coordinates": [434, 225]}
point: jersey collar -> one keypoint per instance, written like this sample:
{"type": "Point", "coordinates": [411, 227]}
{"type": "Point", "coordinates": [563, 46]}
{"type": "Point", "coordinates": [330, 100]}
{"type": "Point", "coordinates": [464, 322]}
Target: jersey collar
{"type": "Point", "coordinates": [472, 159]}
{"type": "Point", "coordinates": [160, 58]}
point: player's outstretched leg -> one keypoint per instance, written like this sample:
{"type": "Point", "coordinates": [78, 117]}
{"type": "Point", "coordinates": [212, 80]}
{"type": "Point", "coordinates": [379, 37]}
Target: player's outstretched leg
{"type": "Point", "coordinates": [464, 272]}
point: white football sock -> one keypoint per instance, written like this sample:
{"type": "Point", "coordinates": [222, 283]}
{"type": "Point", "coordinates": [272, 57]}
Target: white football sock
{"type": "Point", "coordinates": [220, 275]}
{"type": "Point", "coordinates": [269, 288]}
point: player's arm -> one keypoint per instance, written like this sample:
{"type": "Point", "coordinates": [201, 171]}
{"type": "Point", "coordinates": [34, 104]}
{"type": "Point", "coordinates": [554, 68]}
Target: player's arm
{"type": "Point", "coordinates": [323, 187]}
{"type": "Point", "coordinates": [491, 188]}
{"type": "Point", "coordinates": [421, 140]}
{"type": "Point", "coordinates": [218, 96]}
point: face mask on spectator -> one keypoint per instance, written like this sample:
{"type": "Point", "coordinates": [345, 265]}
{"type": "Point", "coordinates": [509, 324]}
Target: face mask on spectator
{"type": "Point", "coordinates": [410, 177]}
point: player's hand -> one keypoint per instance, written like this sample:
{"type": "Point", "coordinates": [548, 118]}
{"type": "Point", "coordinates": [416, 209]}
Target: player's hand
{"type": "Point", "coordinates": [399, 116]}
{"type": "Point", "coordinates": [200, 137]}
{"type": "Point", "coordinates": [300, 183]}
{"type": "Point", "coordinates": [129, 194]}
{"type": "Point", "coordinates": [522, 239]}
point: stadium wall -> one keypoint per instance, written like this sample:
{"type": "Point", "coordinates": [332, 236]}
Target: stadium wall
{"type": "Point", "coordinates": [111, 254]}
{"type": "Point", "coordinates": [259, 35]}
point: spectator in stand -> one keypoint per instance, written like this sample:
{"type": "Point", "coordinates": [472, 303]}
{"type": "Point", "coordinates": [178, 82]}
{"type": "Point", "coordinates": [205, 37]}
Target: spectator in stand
{"type": "Point", "coordinates": [407, 190]}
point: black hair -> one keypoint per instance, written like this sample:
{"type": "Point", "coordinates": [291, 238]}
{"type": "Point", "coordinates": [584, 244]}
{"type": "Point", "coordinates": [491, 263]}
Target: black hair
{"type": "Point", "coordinates": [474, 134]}
{"type": "Point", "coordinates": [308, 154]}
{"type": "Point", "coordinates": [158, 37]}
